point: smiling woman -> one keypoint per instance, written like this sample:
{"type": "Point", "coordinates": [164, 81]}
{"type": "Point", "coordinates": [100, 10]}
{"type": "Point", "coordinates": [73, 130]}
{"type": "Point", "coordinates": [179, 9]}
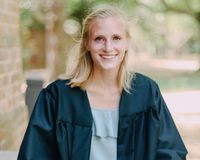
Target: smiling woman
{"type": "Point", "coordinates": [104, 45]}
{"type": "Point", "coordinates": [107, 43]}
{"type": "Point", "coordinates": [102, 111]}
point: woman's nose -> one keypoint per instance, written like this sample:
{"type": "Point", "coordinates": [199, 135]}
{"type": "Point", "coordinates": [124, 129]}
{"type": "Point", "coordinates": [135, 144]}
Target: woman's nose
{"type": "Point", "coordinates": [108, 46]}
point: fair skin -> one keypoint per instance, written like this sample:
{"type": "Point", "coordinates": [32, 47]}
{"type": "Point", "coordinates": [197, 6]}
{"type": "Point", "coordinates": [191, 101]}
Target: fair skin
{"type": "Point", "coordinates": [107, 44]}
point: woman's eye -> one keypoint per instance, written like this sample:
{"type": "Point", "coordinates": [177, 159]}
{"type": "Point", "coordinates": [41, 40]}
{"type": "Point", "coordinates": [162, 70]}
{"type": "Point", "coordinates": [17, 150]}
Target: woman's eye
{"type": "Point", "coordinates": [98, 39]}
{"type": "Point", "coordinates": [116, 38]}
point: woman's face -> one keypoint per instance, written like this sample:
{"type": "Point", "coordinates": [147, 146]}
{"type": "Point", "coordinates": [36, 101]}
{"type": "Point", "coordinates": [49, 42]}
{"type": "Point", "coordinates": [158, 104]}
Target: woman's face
{"type": "Point", "coordinates": [107, 43]}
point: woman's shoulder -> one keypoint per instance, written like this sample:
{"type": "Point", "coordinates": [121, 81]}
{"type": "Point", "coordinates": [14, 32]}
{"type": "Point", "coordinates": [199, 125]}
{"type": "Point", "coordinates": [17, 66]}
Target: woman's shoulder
{"type": "Point", "coordinates": [59, 86]}
{"type": "Point", "coordinates": [58, 83]}
{"type": "Point", "coordinates": [144, 83]}
{"type": "Point", "coordinates": [142, 79]}
{"type": "Point", "coordinates": [146, 89]}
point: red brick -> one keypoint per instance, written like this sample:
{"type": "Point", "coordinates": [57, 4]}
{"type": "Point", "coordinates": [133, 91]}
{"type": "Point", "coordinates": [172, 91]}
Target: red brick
{"type": "Point", "coordinates": [12, 106]}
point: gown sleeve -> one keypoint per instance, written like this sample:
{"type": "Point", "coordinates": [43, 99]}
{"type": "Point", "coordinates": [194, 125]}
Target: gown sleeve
{"type": "Point", "coordinates": [170, 144]}
{"type": "Point", "coordinates": [39, 139]}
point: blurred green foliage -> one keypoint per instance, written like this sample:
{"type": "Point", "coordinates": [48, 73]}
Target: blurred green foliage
{"type": "Point", "coordinates": [28, 23]}
{"type": "Point", "coordinates": [158, 26]}
{"type": "Point", "coordinates": [173, 81]}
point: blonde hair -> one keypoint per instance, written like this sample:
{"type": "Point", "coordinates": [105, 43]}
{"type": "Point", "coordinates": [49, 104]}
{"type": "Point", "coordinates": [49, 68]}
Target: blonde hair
{"type": "Point", "coordinates": [80, 75]}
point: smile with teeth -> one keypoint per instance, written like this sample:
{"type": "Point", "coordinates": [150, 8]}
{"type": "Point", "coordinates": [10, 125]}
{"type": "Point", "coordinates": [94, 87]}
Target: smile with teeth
{"type": "Point", "coordinates": [108, 56]}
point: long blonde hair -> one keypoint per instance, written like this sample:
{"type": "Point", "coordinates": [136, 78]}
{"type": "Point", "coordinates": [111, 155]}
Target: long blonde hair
{"type": "Point", "coordinates": [80, 75]}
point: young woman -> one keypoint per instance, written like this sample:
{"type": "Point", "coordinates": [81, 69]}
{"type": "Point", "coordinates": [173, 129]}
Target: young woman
{"type": "Point", "coordinates": [102, 111]}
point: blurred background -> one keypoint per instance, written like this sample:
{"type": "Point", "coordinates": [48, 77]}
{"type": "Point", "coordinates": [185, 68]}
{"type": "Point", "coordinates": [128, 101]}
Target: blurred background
{"type": "Point", "coordinates": [36, 38]}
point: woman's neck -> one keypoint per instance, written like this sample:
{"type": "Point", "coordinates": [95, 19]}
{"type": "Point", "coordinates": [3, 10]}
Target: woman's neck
{"type": "Point", "coordinates": [104, 78]}
{"type": "Point", "coordinates": [103, 90]}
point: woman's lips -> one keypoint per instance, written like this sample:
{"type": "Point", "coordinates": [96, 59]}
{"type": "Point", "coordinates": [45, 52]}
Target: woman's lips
{"type": "Point", "coordinates": [108, 56]}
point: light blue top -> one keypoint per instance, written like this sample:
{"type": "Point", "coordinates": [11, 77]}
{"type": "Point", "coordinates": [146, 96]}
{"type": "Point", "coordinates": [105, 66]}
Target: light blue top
{"type": "Point", "coordinates": [104, 137]}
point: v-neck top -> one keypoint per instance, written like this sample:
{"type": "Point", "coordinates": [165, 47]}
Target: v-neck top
{"type": "Point", "coordinates": [104, 134]}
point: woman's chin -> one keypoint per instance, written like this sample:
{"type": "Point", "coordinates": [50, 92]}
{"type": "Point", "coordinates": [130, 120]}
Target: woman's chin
{"type": "Point", "coordinates": [109, 67]}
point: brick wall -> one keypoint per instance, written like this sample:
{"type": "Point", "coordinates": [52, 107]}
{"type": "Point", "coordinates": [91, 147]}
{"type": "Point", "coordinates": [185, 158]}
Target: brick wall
{"type": "Point", "coordinates": [13, 113]}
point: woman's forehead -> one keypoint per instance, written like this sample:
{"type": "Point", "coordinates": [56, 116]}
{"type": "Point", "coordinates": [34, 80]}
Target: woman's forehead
{"type": "Point", "coordinates": [108, 24]}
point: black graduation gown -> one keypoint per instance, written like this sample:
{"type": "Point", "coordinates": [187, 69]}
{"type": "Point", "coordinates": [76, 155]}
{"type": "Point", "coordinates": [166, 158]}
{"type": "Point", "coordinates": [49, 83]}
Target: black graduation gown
{"type": "Point", "coordinates": [60, 127]}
